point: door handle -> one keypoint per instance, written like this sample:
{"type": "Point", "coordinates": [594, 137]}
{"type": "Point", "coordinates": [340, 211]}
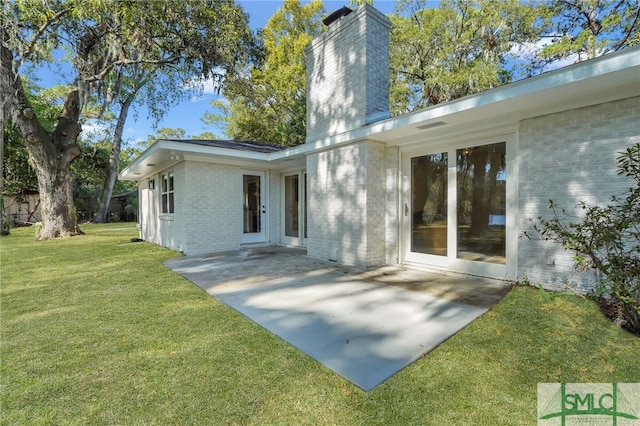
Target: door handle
{"type": "Point", "coordinates": [406, 209]}
{"type": "Point", "coordinates": [264, 210]}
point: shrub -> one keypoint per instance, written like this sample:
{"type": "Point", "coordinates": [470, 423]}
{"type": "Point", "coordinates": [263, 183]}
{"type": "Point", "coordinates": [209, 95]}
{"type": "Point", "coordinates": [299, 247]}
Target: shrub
{"type": "Point", "coordinates": [607, 239]}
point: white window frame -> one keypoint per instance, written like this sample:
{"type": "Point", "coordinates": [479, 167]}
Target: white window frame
{"type": "Point", "coordinates": [167, 187]}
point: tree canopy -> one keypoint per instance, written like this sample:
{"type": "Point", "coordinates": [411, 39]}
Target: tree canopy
{"type": "Point", "coordinates": [459, 48]}
{"type": "Point", "coordinates": [96, 39]}
{"type": "Point", "coordinates": [585, 29]}
{"type": "Point", "coordinates": [267, 102]}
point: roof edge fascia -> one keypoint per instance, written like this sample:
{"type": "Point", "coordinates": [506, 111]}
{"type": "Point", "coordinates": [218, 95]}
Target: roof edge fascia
{"type": "Point", "coordinates": [138, 161]}
{"type": "Point", "coordinates": [187, 148]}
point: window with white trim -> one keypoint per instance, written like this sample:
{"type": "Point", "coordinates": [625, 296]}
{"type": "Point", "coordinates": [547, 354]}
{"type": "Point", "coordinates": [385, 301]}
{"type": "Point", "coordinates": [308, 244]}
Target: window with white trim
{"type": "Point", "coordinates": [167, 193]}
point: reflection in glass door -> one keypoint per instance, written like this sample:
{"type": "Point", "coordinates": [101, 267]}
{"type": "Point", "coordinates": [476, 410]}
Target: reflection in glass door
{"type": "Point", "coordinates": [481, 203]}
{"type": "Point", "coordinates": [455, 210]}
{"type": "Point", "coordinates": [294, 210]}
{"type": "Point", "coordinates": [291, 205]}
{"type": "Point", "coordinates": [429, 204]}
{"type": "Point", "coordinates": [254, 207]}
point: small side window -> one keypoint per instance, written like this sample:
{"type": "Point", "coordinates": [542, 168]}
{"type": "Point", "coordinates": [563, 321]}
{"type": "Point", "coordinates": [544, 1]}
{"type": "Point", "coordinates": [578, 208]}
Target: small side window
{"type": "Point", "coordinates": [167, 193]}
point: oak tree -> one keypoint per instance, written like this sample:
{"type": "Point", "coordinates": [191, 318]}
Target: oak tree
{"type": "Point", "coordinates": [95, 39]}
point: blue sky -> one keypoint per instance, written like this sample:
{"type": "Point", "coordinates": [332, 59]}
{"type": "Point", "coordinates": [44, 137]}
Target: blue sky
{"type": "Point", "coordinates": [187, 114]}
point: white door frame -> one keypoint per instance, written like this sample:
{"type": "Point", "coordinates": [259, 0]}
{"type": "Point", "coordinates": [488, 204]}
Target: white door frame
{"type": "Point", "coordinates": [450, 262]}
{"type": "Point", "coordinates": [300, 240]}
{"type": "Point", "coordinates": [254, 237]}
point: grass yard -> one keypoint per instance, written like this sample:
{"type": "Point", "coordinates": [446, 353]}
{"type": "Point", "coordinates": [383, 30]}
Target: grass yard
{"type": "Point", "coordinates": [95, 330]}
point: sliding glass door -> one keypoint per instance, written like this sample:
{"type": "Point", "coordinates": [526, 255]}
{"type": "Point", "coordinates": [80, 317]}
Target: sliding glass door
{"type": "Point", "coordinates": [457, 201]}
{"type": "Point", "coordinates": [429, 204]}
{"type": "Point", "coordinates": [292, 206]}
{"type": "Point", "coordinates": [481, 203]}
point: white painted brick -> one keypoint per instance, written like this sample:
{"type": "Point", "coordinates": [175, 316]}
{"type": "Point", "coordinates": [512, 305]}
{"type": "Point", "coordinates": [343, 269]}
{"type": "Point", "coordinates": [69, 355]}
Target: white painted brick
{"type": "Point", "coordinates": [212, 210]}
{"type": "Point", "coordinates": [392, 219]}
{"type": "Point", "coordinates": [348, 74]}
{"type": "Point", "coordinates": [569, 157]}
{"type": "Point", "coordinates": [163, 229]}
{"type": "Point", "coordinates": [347, 204]}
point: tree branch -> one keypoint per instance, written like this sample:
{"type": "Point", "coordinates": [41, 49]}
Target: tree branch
{"type": "Point", "coordinates": [38, 34]}
{"type": "Point", "coordinates": [627, 34]}
{"type": "Point", "coordinates": [14, 100]}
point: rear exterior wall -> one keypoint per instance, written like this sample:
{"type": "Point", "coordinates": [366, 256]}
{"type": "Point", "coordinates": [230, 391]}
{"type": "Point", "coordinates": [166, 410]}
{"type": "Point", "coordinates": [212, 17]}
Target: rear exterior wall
{"type": "Point", "coordinates": [213, 218]}
{"type": "Point", "coordinates": [167, 230]}
{"type": "Point", "coordinates": [569, 157]}
{"type": "Point", "coordinates": [208, 208]}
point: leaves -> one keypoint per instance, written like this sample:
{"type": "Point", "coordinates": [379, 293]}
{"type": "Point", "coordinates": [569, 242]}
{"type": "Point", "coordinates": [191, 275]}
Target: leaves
{"type": "Point", "coordinates": [114, 49]}
{"type": "Point", "coordinates": [444, 53]}
{"type": "Point", "coordinates": [606, 238]}
{"type": "Point", "coordinates": [267, 102]}
{"type": "Point", "coordinates": [585, 29]}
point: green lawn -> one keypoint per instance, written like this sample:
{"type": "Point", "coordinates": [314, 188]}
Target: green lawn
{"type": "Point", "coordinates": [96, 331]}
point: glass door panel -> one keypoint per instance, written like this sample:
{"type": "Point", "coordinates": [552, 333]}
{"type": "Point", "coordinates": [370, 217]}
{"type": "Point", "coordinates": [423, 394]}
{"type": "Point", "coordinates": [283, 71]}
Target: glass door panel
{"type": "Point", "coordinates": [254, 208]}
{"type": "Point", "coordinates": [291, 206]}
{"type": "Point", "coordinates": [481, 203]}
{"type": "Point", "coordinates": [429, 204]}
{"type": "Point", "coordinates": [304, 207]}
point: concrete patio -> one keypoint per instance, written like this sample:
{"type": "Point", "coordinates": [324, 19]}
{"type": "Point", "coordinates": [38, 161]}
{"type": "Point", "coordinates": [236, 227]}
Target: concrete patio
{"type": "Point", "coordinates": [364, 324]}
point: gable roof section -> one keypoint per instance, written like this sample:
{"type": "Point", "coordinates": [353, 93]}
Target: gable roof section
{"type": "Point", "coordinates": [165, 153]}
{"type": "Point", "coordinates": [604, 79]}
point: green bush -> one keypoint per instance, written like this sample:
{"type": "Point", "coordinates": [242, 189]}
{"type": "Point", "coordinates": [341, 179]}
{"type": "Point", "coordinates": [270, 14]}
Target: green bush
{"type": "Point", "coordinates": [607, 239]}
{"type": "Point", "coordinates": [114, 217]}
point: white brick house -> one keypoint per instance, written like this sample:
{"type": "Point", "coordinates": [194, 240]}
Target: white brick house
{"type": "Point", "coordinates": [450, 187]}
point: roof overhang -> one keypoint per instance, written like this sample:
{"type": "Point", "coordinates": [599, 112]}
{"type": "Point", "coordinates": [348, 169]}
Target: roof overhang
{"type": "Point", "coordinates": [604, 79]}
{"type": "Point", "coordinates": [164, 154]}
{"type": "Point", "coordinates": [608, 78]}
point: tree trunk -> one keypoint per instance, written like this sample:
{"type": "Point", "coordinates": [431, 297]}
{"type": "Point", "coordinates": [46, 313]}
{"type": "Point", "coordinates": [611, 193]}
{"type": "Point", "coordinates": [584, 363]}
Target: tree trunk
{"type": "Point", "coordinates": [5, 84]}
{"type": "Point", "coordinates": [58, 213]}
{"type": "Point", "coordinates": [4, 227]}
{"type": "Point", "coordinates": [51, 153]}
{"type": "Point", "coordinates": [114, 158]}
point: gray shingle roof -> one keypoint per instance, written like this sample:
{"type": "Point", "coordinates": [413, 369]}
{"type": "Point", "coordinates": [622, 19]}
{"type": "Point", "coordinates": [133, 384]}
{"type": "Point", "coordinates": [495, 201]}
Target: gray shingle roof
{"type": "Point", "coordinates": [232, 144]}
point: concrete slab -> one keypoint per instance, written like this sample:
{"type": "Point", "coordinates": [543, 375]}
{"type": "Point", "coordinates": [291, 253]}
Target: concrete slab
{"type": "Point", "coordinates": [360, 328]}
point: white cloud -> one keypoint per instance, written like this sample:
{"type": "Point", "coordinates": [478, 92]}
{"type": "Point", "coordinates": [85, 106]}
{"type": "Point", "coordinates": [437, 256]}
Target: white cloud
{"type": "Point", "coordinates": [205, 86]}
{"type": "Point", "coordinates": [526, 53]}
{"type": "Point", "coordinates": [211, 86]}
{"type": "Point", "coordinates": [95, 128]}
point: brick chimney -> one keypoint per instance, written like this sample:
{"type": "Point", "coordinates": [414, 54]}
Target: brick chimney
{"type": "Point", "coordinates": [348, 72]}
